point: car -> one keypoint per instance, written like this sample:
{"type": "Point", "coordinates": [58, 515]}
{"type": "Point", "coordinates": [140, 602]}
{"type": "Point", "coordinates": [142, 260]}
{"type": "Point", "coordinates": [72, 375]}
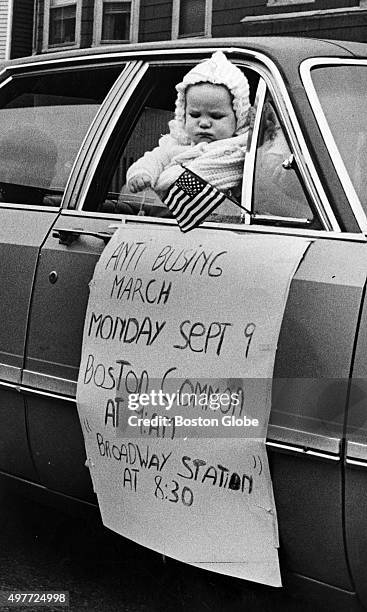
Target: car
{"type": "Point", "coordinates": [71, 124]}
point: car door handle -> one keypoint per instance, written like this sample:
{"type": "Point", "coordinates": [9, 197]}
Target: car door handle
{"type": "Point", "coordinates": [67, 236]}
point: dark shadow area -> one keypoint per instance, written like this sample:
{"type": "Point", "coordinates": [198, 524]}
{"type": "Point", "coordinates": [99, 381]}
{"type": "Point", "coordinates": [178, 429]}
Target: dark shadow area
{"type": "Point", "coordinates": [45, 549]}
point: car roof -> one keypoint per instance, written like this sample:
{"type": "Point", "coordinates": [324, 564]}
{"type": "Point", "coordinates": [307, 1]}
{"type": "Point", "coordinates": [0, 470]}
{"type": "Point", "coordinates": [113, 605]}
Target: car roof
{"type": "Point", "coordinates": [286, 52]}
{"type": "Point", "coordinates": [282, 49]}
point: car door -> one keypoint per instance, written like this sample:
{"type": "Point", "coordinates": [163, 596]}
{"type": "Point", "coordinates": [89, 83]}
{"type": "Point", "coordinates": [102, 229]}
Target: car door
{"type": "Point", "coordinates": [43, 122]}
{"type": "Point", "coordinates": [318, 331]}
{"type": "Point", "coordinates": [58, 305]}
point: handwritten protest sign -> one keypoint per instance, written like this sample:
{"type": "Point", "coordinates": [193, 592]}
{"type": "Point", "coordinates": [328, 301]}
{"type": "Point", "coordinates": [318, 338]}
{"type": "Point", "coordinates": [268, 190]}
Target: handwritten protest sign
{"type": "Point", "coordinates": [174, 392]}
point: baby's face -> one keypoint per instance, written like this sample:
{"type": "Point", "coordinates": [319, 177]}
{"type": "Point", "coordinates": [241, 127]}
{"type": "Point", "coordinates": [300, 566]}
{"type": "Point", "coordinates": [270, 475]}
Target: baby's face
{"type": "Point", "coordinates": [209, 113]}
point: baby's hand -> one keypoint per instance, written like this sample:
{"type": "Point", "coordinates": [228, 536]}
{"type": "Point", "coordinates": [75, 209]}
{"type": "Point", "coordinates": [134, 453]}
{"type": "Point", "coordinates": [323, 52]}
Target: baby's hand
{"type": "Point", "coordinates": [140, 182]}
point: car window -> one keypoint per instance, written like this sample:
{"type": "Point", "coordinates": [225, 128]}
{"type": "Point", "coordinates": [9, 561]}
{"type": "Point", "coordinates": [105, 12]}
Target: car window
{"type": "Point", "coordinates": [109, 192]}
{"type": "Point", "coordinates": [43, 120]}
{"type": "Point", "coordinates": [277, 188]}
{"type": "Point", "coordinates": [342, 94]}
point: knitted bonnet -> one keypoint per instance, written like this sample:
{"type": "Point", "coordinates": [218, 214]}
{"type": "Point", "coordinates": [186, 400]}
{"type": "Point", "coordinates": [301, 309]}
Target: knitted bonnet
{"type": "Point", "coordinates": [217, 70]}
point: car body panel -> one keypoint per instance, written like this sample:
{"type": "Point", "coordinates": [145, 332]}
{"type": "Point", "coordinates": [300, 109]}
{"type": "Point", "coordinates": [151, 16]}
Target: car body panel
{"type": "Point", "coordinates": [15, 454]}
{"type": "Point", "coordinates": [21, 236]}
{"type": "Point", "coordinates": [54, 344]}
{"type": "Point", "coordinates": [311, 374]}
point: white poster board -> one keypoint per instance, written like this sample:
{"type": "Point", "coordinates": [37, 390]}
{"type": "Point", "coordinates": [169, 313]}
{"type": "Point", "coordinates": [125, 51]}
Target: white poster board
{"type": "Point", "coordinates": [169, 314]}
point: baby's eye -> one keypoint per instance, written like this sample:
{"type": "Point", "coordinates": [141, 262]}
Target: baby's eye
{"type": "Point", "coordinates": [194, 114]}
{"type": "Point", "coordinates": [217, 115]}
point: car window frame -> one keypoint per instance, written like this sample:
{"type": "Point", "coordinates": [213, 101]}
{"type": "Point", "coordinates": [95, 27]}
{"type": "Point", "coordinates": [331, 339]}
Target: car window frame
{"type": "Point", "coordinates": [50, 67]}
{"type": "Point", "coordinates": [248, 196]}
{"type": "Point", "coordinates": [313, 98]}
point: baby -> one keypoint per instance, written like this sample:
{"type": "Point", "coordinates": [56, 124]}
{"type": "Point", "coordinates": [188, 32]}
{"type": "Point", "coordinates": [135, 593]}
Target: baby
{"type": "Point", "coordinates": [208, 134]}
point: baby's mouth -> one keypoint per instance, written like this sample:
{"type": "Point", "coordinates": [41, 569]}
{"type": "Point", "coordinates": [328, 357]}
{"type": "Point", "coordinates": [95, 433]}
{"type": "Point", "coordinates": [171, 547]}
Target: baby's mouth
{"type": "Point", "coordinates": [204, 136]}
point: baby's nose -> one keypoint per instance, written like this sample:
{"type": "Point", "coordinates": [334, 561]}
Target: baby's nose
{"type": "Point", "coordinates": [204, 121]}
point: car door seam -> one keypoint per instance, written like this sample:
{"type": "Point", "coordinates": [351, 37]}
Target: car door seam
{"type": "Point", "coordinates": [345, 425]}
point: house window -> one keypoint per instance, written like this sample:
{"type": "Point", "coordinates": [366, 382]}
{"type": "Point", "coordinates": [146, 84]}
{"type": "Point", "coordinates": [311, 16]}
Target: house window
{"type": "Point", "coordinates": [62, 22]}
{"type": "Point", "coordinates": [116, 21]}
{"type": "Point", "coordinates": [191, 18]}
{"type": "Point", "coordinates": [62, 25]}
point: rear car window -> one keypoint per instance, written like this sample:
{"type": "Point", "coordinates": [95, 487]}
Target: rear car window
{"type": "Point", "coordinates": [43, 121]}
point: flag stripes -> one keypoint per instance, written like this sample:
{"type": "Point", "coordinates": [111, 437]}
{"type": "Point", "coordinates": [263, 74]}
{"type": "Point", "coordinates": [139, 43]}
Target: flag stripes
{"type": "Point", "coordinates": [191, 200]}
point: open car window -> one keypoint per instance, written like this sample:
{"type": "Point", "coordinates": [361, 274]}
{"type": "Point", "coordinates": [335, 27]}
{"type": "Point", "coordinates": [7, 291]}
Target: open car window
{"type": "Point", "coordinates": [154, 107]}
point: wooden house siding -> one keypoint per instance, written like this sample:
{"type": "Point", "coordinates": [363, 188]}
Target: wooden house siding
{"type": "Point", "coordinates": [3, 27]}
{"type": "Point", "coordinates": [226, 20]}
{"type": "Point", "coordinates": [339, 26]}
{"type": "Point", "coordinates": [155, 21]}
{"type": "Point", "coordinates": [228, 15]}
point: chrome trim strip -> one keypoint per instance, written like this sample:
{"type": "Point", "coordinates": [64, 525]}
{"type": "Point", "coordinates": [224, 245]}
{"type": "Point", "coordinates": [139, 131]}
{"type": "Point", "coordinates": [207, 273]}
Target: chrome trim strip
{"type": "Point", "coordinates": [285, 447]}
{"type": "Point", "coordinates": [356, 450]}
{"type": "Point", "coordinates": [249, 166]}
{"type": "Point", "coordinates": [81, 214]}
{"type": "Point", "coordinates": [10, 78]}
{"type": "Point", "coordinates": [307, 442]}
{"type": "Point", "coordinates": [277, 218]}
{"type": "Point", "coordinates": [38, 392]}
{"type": "Point", "coordinates": [362, 464]}
{"type": "Point", "coordinates": [323, 455]}
{"type": "Point", "coordinates": [299, 451]}
{"type": "Point", "coordinates": [14, 386]}
{"type": "Point", "coordinates": [307, 233]}
{"type": "Point", "coordinates": [305, 73]}
{"type": "Point", "coordinates": [262, 229]}
{"type": "Point", "coordinates": [31, 391]}
{"type": "Point", "coordinates": [41, 383]}
{"type": "Point", "coordinates": [46, 209]}
{"type": "Point", "coordinates": [11, 374]}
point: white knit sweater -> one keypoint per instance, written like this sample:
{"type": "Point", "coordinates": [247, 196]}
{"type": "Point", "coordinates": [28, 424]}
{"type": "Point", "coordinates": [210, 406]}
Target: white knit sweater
{"type": "Point", "coordinates": [219, 163]}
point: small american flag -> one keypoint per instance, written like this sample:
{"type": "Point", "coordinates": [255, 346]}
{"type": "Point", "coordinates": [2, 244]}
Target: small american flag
{"type": "Point", "coordinates": [191, 200]}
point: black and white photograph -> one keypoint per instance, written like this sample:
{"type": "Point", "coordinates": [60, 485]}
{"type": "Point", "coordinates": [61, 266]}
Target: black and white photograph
{"type": "Point", "coordinates": [183, 235]}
